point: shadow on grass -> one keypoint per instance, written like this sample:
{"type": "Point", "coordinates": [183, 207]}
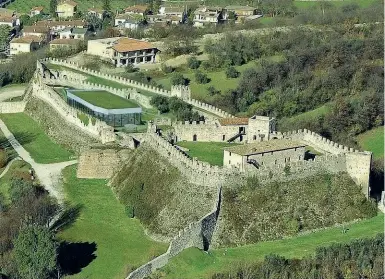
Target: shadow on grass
{"type": "Point", "coordinates": [73, 256]}
{"type": "Point", "coordinates": [22, 138]}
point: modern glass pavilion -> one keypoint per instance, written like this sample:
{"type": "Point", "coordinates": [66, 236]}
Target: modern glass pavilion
{"type": "Point", "coordinates": [116, 117]}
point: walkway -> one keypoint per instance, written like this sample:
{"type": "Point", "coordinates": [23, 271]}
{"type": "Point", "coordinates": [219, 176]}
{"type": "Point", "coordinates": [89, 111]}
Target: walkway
{"type": "Point", "coordinates": [48, 174]}
{"type": "Point", "coordinates": [12, 92]}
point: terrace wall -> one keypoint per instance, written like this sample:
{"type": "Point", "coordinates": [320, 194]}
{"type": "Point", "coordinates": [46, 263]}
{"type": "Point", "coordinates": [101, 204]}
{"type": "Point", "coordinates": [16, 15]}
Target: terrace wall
{"type": "Point", "coordinates": [12, 107]}
{"type": "Point", "coordinates": [175, 91]}
{"type": "Point", "coordinates": [95, 128]}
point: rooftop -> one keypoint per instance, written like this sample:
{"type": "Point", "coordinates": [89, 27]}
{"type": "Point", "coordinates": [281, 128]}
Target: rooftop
{"type": "Point", "coordinates": [61, 23]}
{"type": "Point", "coordinates": [35, 29]}
{"type": "Point", "coordinates": [234, 121]}
{"type": "Point", "coordinates": [263, 147]}
{"type": "Point", "coordinates": [6, 18]}
{"type": "Point", "coordinates": [64, 42]}
{"type": "Point", "coordinates": [8, 12]}
{"type": "Point", "coordinates": [96, 10]}
{"type": "Point", "coordinates": [136, 9]}
{"type": "Point", "coordinates": [242, 8]}
{"type": "Point", "coordinates": [79, 30]}
{"type": "Point", "coordinates": [174, 9]}
{"type": "Point", "coordinates": [128, 44]}
{"type": "Point", "coordinates": [39, 8]}
{"type": "Point", "coordinates": [69, 2]}
{"type": "Point", "coordinates": [26, 40]}
{"type": "Point", "coordinates": [104, 99]}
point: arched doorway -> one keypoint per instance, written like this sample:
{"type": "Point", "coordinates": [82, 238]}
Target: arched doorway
{"type": "Point", "coordinates": [194, 137]}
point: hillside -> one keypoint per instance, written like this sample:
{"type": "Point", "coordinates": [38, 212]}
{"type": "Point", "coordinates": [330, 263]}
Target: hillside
{"type": "Point", "coordinates": [156, 193]}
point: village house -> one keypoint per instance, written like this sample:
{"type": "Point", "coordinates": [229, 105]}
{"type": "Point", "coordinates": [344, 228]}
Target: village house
{"type": "Point", "coordinates": [66, 9]}
{"type": "Point", "coordinates": [141, 10]}
{"type": "Point", "coordinates": [176, 12]}
{"type": "Point", "coordinates": [56, 26]}
{"type": "Point", "coordinates": [39, 31]}
{"type": "Point", "coordinates": [99, 13]}
{"type": "Point", "coordinates": [25, 44]}
{"type": "Point", "coordinates": [11, 21]}
{"type": "Point", "coordinates": [162, 20]}
{"type": "Point", "coordinates": [241, 12]}
{"type": "Point", "coordinates": [207, 15]}
{"type": "Point", "coordinates": [64, 44]}
{"type": "Point", "coordinates": [128, 21]}
{"type": "Point", "coordinates": [7, 12]}
{"type": "Point", "coordinates": [123, 51]}
{"type": "Point", "coordinates": [266, 153]}
{"type": "Point", "coordinates": [36, 11]}
{"type": "Point", "coordinates": [73, 33]}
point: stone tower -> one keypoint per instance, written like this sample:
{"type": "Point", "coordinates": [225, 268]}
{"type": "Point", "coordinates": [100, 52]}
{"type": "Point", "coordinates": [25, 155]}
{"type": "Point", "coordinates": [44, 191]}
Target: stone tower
{"type": "Point", "coordinates": [259, 128]}
{"type": "Point", "coordinates": [181, 91]}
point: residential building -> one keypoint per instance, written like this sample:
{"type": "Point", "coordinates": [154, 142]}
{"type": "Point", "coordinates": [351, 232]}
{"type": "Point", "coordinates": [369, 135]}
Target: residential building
{"type": "Point", "coordinates": [25, 44]}
{"type": "Point", "coordinates": [66, 9]}
{"type": "Point", "coordinates": [36, 11]}
{"type": "Point", "coordinates": [63, 43]}
{"type": "Point", "coordinates": [265, 153]}
{"type": "Point", "coordinates": [7, 12]}
{"type": "Point", "coordinates": [40, 31]}
{"type": "Point", "coordinates": [73, 33]}
{"type": "Point", "coordinates": [11, 21]}
{"type": "Point", "coordinates": [179, 12]}
{"type": "Point", "coordinates": [137, 10]}
{"type": "Point", "coordinates": [55, 26]}
{"type": "Point", "coordinates": [123, 51]}
{"type": "Point", "coordinates": [241, 12]}
{"type": "Point", "coordinates": [207, 15]}
{"type": "Point", "coordinates": [162, 20]}
{"type": "Point", "coordinates": [128, 21]}
{"type": "Point", "coordinates": [99, 13]}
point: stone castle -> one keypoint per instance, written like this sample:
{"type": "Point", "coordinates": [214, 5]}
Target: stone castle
{"type": "Point", "coordinates": [259, 150]}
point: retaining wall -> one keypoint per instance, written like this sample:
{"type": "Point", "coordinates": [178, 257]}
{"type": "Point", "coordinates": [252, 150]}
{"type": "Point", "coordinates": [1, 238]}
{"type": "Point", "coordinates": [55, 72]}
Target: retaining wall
{"type": "Point", "coordinates": [95, 128]}
{"type": "Point", "coordinates": [141, 86]}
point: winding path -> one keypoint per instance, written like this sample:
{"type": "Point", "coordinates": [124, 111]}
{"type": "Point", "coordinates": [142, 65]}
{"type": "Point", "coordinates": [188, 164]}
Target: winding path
{"type": "Point", "coordinates": [48, 174]}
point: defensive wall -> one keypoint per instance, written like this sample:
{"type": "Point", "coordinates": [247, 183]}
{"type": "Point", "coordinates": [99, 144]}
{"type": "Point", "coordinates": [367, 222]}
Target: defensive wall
{"type": "Point", "coordinates": [336, 158]}
{"type": "Point", "coordinates": [179, 91]}
{"type": "Point", "coordinates": [197, 234]}
{"type": "Point", "coordinates": [95, 128]}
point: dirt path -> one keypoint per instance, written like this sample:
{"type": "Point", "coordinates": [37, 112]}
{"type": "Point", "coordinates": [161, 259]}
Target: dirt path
{"type": "Point", "coordinates": [48, 174]}
{"type": "Point", "coordinates": [11, 92]}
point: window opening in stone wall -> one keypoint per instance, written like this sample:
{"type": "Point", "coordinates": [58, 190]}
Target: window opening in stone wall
{"type": "Point", "coordinates": [288, 159]}
{"type": "Point", "coordinates": [229, 162]}
{"type": "Point", "coordinates": [285, 160]}
{"type": "Point", "coordinates": [224, 137]}
{"type": "Point", "coordinates": [254, 137]}
{"type": "Point", "coordinates": [229, 153]}
{"type": "Point", "coordinates": [194, 137]}
{"type": "Point", "coordinates": [275, 162]}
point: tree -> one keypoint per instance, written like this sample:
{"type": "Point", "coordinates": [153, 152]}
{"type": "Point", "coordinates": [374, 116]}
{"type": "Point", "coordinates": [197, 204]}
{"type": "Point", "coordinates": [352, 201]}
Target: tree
{"type": "Point", "coordinates": [213, 91]}
{"type": "Point", "coordinates": [161, 103]}
{"type": "Point", "coordinates": [107, 5]}
{"type": "Point", "coordinates": [178, 79]}
{"type": "Point", "coordinates": [35, 251]}
{"type": "Point", "coordinates": [4, 35]}
{"type": "Point", "coordinates": [52, 7]}
{"type": "Point", "coordinates": [19, 189]}
{"type": "Point", "coordinates": [231, 72]}
{"type": "Point", "coordinates": [201, 78]}
{"type": "Point", "coordinates": [193, 62]}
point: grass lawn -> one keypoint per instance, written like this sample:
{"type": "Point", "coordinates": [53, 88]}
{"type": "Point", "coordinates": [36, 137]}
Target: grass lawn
{"type": "Point", "coordinates": [193, 263]}
{"type": "Point", "coordinates": [34, 140]}
{"type": "Point", "coordinates": [211, 152]}
{"type": "Point", "coordinates": [16, 86]}
{"type": "Point", "coordinates": [312, 4]}
{"type": "Point", "coordinates": [373, 141]}
{"type": "Point", "coordinates": [105, 99]}
{"type": "Point", "coordinates": [120, 241]}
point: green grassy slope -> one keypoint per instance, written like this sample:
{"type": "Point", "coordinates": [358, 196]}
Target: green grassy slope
{"type": "Point", "coordinates": [105, 99]}
{"type": "Point", "coordinates": [193, 263]}
{"type": "Point", "coordinates": [32, 137]}
{"type": "Point", "coordinates": [121, 242]}
{"type": "Point", "coordinates": [373, 141]}
{"type": "Point", "coordinates": [211, 152]}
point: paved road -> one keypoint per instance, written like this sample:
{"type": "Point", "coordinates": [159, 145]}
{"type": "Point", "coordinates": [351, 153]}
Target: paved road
{"type": "Point", "coordinates": [48, 174]}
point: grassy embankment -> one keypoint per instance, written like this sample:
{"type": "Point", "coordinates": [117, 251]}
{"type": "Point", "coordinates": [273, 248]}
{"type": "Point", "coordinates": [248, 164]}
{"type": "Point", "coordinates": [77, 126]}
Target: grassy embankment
{"type": "Point", "coordinates": [35, 141]}
{"type": "Point", "coordinates": [211, 152]}
{"type": "Point", "coordinates": [193, 263]}
{"type": "Point", "coordinates": [121, 243]}
{"type": "Point", "coordinates": [373, 141]}
{"type": "Point", "coordinates": [105, 99]}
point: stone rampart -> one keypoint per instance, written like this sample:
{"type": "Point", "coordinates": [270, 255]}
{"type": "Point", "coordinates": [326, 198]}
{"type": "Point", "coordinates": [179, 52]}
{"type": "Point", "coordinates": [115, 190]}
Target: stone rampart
{"type": "Point", "coordinates": [100, 163]}
{"type": "Point", "coordinates": [197, 234]}
{"type": "Point", "coordinates": [12, 107]}
{"type": "Point", "coordinates": [184, 94]}
{"type": "Point", "coordinates": [95, 128]}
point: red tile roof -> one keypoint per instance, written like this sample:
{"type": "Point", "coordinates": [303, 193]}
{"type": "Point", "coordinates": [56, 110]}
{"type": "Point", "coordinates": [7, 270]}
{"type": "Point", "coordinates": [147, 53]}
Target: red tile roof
{"type": "Point", "coordinates": [39, 8]}
{"type": "Point", "coordinates": [234, 121]}
{"type": "Point", "coordinates": [136, 9]}
{"type": "Point", "coordinates": [127, 44]}
{"type": "Point", "coordinates": [27, 40]}
{"type": "Point", "coordinates": [64, 42]}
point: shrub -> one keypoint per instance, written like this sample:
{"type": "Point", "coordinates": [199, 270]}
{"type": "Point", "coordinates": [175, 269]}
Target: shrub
{"type": "Point", "coordinates": [3, 158]}
{"type": "Point", "coordinates": [193, 62]}
{"type": "Point", "coordinates": [178, 79]}
{"type": "Point", "coordinates": [166, 69]}
{"type": "Point", "coordinates": [213, 91]}
{"type": "Point", "coordinates": [201, 78]}
{"type": "Point", "coordinates": [130, 68]}
{"type": "Point", "coordinates": [231, 72]}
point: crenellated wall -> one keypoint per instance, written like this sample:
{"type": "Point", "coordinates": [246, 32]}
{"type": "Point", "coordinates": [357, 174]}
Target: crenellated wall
{"type": "Point", "coordinates": [179, 91]}
{"type": "Point", "coordinates": [95, 128]}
